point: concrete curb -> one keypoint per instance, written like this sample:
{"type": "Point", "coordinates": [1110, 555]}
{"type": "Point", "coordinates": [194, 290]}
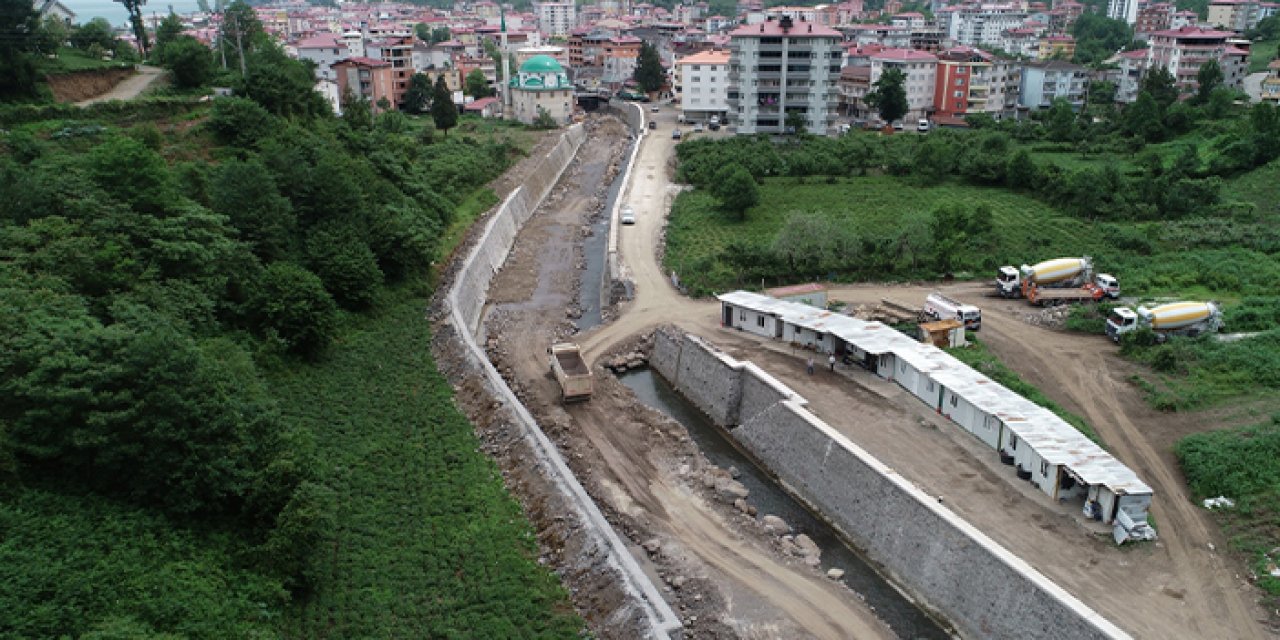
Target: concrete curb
{"type": "Point", "coordinates": [660, 619]}
{"type": "Point", "coordinates": [641, 130]}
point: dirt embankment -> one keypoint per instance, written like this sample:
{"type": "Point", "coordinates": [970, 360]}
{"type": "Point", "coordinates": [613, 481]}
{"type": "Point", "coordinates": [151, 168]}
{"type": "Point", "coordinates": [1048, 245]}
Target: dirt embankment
{"type": "Point", "coordinates": [82, 85]}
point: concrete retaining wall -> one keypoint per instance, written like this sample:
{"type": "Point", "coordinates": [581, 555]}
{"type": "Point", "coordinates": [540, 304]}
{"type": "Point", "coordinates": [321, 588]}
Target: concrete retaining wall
{"type": "Point", "coordinates": [465, 301]}
{"type": "Point", "coordinates": [636, 120]}
{"type": "Point", "coordinates": [984, 590]}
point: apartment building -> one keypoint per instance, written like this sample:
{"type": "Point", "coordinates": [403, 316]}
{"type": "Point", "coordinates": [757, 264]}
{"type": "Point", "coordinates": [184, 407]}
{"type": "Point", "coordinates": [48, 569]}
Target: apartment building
{"type": "Point", "coordinates": [970, 81]}
{"type": "Point", "coordinates": [1153, 17]}
{"type": "Point", "coordinates": [920, 70]}
{"type": "Point", "coordinates": [1059, 46]}
{"type": "Point", "coordinates": [399, 53]}
{"type": "Point", "coordinates": [620, 57]}
{"type": "Point", "coordinates": [702, 80]}
{"type": "Point", "coordinates": [1183, 51]}
{"type": "Point", "coordinates": [324, 50]}
{"type": "Point", "coordinates": [1043, 82]}
{"type": "Point", "coordinates": [974, 25]}
{"type": "Point", "coordinates": [556, 19]}
{"type": "Point", "coordinates": [779, 67]}
{"type": "Point", "coordinates": [1233, 15]}
{"type": "Point", "coordinates": [1126, 10]}
{"type": "Point", "coordinates": [1271, 84]}
{"type": "Point", "coordinates": [365, 77]}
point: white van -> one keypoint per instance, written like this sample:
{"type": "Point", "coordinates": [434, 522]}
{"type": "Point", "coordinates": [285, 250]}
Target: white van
{"type": "Point", "coordinates": [940, 307]}
{"type": "Point", "coordinates": [922, 126]}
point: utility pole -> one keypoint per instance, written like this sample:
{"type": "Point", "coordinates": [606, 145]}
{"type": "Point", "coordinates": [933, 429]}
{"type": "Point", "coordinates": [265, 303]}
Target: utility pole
{"type": "Point", "coordinates": [244, 71]}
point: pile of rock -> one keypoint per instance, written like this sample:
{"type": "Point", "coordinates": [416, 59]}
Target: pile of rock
{"type": "Point", "coordinates": [627, 361]}
{"type": "Point", "coordinates": [1052, 317]}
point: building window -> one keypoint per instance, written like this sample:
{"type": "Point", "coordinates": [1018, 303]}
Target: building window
{"type": "Point", "coordinates": [742, 316]}
{"type": "Point", "coordinates": [760, 321]}
{"type": "Point", "coordinates": [1044, 468]}
{"type": "Point", "coordinates": [1013, 443]}
{"type": "Point", "coordinates": [959, 82]}
{"type": "Point", "coordinates": [954, 399]}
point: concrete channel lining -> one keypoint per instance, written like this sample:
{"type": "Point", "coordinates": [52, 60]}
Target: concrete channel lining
{"type": "Point", "coordinates": [951, 566]}
{"type": "Point", "coordinates": [466, 299]}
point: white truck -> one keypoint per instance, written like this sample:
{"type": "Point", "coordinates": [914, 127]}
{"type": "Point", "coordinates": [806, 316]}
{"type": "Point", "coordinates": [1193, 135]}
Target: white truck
{"type": "Point", "coordinates": [1174, 319]}
{"type": "Point", "coordinates": [940, 307]}
{"type": "Point", "coordinates": [1060, 273]}
{"type": "Point", "coordinates": [571, 371]}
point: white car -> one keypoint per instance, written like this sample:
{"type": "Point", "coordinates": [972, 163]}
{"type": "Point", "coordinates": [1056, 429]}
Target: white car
{"type": "Point", "coordinates": [628, 215]}
{"type": "Point", "coordinates": [697, 128]}
{"type": "Point", "coordinates": [922, 126]}
{"type": "Point", "coordinates": [654, 108]}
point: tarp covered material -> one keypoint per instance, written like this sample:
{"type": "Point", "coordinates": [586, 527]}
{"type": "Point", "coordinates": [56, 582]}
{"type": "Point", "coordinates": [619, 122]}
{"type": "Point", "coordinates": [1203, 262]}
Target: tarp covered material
{"type": "Point", "coordinates": [1051, 437]}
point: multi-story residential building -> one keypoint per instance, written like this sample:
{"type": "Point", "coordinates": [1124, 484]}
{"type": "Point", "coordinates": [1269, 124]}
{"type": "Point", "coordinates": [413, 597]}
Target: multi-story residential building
{"type": "Point", "coordinates": [971, 81]}
{"type": "Point", "coordinates": [1183, 51]}
{"type": "Point", "coordinates": [1023, 41]}
{"type": "Point", "coordinates": [1271, 84]}
{"type": "Point", "coordinates": [556, 19]}
{"type": "Point", "coordinates": [920, 71]}
{"type": "Point", "coordinates": [975, 25]}
{"type": "Point", "coordinates": [621, 54]}
{"type": "Point", "coordinates": [1061, 46]}
{"type": "Point", "coordinates": [702, 79]}
{"type": "Point", "coordinates": [1153, 17]}
{"type": "Point", "coordinates": [886, 35]}
{"type": "Point", "coordinates": [399, 53]}
{"type": "Point", "coordinates": [1043, 82]}
{"type": "Point", "coordinates": [852, 87]}
{"type": "Point", "coordinates": [1182, 19]}
{"type": "Point", "coordinates": [780, 67]}
{"type": "Point", "coordinates": [1064, 14]}
{"type": "Point", "coordinates": [1234, 15]}
{"type": "Point", "coordinates": [1126, 10]}
{"type": "Point", "coordinates": [323, 50]}
{"type": "Point", "coordinates": [1128, 67]}
{"type": "Point", "coordinates": [366, 77]}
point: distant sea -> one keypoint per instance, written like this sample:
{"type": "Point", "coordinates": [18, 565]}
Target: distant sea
{"type": "Point", "coordinates": [114, 12]}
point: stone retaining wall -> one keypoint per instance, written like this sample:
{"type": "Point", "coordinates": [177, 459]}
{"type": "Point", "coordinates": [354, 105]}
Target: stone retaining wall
{"type": "Point", "coordinates": [982, 588]}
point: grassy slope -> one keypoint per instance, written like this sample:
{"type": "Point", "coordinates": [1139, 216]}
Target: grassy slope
{"type": "Point", "coordinates": [1262, 53]}
{"type": "Point", "coordinates": [428, 543]}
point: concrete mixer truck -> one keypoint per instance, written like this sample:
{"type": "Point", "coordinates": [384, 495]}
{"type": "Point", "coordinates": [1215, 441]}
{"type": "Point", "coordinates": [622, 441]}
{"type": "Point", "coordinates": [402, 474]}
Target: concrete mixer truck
{"type": "Point", "coordinates": [1176, 319]}
{"type": "Point", "coordinates": [1056, 282]}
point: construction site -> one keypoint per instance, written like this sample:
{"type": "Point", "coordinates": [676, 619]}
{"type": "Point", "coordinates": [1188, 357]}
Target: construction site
{"type": "Point", "coordinates": [754, 467]}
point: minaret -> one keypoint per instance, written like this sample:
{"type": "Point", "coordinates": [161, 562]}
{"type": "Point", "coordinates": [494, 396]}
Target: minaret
{"type": "Point", "coordinates": [506, 64]}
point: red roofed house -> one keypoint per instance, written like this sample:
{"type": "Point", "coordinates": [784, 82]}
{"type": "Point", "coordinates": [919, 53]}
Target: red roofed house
{"type": "Point", "coordinates": [366, 77]}
{"type": "Point", "coordinates": [1271, 84]}
{"type": "Point", "coordinates": [620, 56]}
{"type": "Point", "coordinates": [323, 50]}
{"type": "Point", "coordinates": [484, 107]}
{"type": "Point", "coordinates": [782, 67]}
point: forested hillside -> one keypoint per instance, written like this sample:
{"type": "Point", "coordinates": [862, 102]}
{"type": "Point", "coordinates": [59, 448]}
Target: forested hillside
{"type": "Point", "coordinates": [220, 414]}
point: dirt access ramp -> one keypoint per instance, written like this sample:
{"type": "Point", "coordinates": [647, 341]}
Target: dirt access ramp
{"type": "Point", "coordinates": [119, 84]}
{"type": "Point", "coordinates": [723, 574]}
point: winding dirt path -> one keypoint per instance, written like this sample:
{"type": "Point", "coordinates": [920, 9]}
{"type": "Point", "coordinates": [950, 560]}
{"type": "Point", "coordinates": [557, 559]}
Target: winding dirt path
{"type": "Point", "coordinates": [130, 87]}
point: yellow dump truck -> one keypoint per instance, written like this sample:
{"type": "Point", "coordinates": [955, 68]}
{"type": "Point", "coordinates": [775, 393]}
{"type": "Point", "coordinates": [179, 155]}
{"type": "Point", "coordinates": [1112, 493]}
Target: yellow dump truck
{"type": "Point", "coordinates": [571, 371]}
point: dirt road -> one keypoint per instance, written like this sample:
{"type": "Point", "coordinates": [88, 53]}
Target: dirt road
{"type": "Point", "coordinates": [130, 88]}
{"type": "Point", "coordinates": [1178, 587]}
{"type": "Point", "coordinates": [726, 581]}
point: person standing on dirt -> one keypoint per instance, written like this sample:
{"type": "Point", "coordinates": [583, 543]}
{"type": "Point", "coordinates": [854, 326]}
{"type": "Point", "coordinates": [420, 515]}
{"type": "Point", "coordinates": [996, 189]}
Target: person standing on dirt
{"type": "Point", "coordinates": [831, 361]}
{"type": "Point", "coordinates": [809, 366]}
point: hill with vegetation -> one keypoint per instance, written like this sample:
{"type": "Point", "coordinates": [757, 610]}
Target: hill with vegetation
{"type": "Point", "coordinates": [221, 415]}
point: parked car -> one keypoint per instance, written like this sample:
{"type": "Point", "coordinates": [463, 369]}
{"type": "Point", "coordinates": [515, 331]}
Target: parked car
{"type": "Point", "coordinates": [897, 126]}
{"type": "Point", "coordinates": [713, 125]}
{"type": "Point", "coordinates": [628, 215]}
{"type": "Point", "coordinates": [715, 121]}
{"type": "Point", "coordinates": [654, 108]}
{"type": "Point", "coordinates": [697, 128]}
{"type": "Point", "coordinates": [922, 126]}
{"type": "Point", "coordinates": [675, 134]}
{"type": "Point", "coordinates": [653, 124]}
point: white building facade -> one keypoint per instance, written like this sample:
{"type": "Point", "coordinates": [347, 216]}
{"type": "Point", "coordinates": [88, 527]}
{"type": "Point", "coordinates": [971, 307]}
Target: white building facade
{"type": "Point", "coordinates": [781, 67]}
{"type": "Point", "coordinates": [556, 19]}
{"type": "Point", "coordinates": [703, 83]}
{"type": "Point", "coordinates": [1126, 10]}
{"type": "Point", "coordinates": [920, 69]}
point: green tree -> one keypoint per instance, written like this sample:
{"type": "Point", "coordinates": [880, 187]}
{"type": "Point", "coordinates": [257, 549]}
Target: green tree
{"type": "Point", "coordinates": [291, 304]}
{"type": "Point", "coordinates": [356, 111]}
{"type": "Point", "coordinates": [1143, 119]}
{"type": "Point", "coordinates": [1209, 78]}
{"type": "Point", "coordinates": [889, 97]}
{"type": "Point", "coordinates": [19, 26]}
{"type": "Point", "coordinates": [443, 112]}
{"type": "Point", "coordinates": [1161, 85]}
{"type": "Point", "coordinates": [190, 61]}
{"type": "Point", "coordinates": [477, 86]}
{"type": "Point", "coordinates": [795, 123]}
{"type": "Point", "coordinates": [134, 8]}
{"type": "Point", "coordinates": [245, 192]}
{"type": "Point", "coordinates": [240, 122]}
{"type": "Point", "coordinates": [96, 31]}
{"type": "Point", "coordinates": [53, 34]}
{"type": "Point", "coordinates": [166, 33]}
{"type": "Point", "coordinates": [736, 189]}
{"type": "Point", "coordinates": [544, 120]}
{"type": "Point", "coordinates": [1060, 121]}
{"type": "Point", "coordinates": [345, 263]}
{"type": "Point", "coordinates": [649, 73]}
{"type": "Point", "coordinates": [1098, 37]}
{"type": "Point", "coordinates": [417, 98]}
{"type": "Point", "coordinates": [808, 243]}
{"type": "Point", "coordinates": [282, 85]}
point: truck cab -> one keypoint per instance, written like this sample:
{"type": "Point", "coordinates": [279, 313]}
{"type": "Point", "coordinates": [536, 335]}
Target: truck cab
{"type": "Point", "coordinates": [1120, 322]}
{"type": "Point", "coordinates": [1008, 283]}
{"type": "Point", "coordinates": [1109, 284]}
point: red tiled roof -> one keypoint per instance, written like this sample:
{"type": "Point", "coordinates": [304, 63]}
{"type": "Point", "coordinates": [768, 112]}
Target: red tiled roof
{"type": "Point", "coordinates": [363, 62]}
{"type": "Point", "coordinates": [1193, 32]}
{"type": "Point", "coordinates": [479, 105]}
{"type": "Point", "coordinates": [905, 55]}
